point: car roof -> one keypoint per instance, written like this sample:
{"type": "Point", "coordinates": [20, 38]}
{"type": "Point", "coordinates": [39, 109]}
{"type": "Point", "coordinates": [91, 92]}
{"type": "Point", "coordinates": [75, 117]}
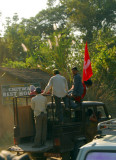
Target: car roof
{"type": "Point", "coordinates": [107, 142]}
{"type": "Point", "coordinates": [86, 103]}
{"type": "Point", "coordinates": [104, 144]}
{"type": "Point", "coordinates": [92, 103]}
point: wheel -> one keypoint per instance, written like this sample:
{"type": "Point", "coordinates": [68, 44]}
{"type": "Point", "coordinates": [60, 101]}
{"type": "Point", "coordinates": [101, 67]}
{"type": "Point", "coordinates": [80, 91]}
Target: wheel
{"type": "Point", "coordinates": [75, 151]}
{"type": "Point", "coordinates": [66, 156]}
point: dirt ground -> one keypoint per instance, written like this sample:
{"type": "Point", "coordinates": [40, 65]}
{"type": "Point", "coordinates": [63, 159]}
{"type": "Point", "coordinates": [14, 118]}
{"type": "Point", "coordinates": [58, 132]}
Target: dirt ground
{"type": "Point", "coordinates": [6, 127]}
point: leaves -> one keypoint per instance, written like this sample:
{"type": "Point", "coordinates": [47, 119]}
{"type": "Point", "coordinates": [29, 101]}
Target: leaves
{"type": "Point", "coordinates": [60, 47]}
{"type": "Point", "coordinates": [91, 15]}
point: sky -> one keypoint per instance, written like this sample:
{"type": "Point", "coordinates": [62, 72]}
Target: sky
{"type": "Point", "coordinates": [24, 8]}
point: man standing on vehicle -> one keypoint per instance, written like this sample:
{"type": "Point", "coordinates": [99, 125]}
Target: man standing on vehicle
{"type": "Point", "coordinates": [59, 87]}
{"type": "Point", "coordinates": [77, 88]}
{"type": "Point", "coordinates": [39, 104]}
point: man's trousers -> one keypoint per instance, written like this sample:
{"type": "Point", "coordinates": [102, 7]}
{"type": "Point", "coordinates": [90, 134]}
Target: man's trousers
{"type": "Point", "coordinates": [41, 129]}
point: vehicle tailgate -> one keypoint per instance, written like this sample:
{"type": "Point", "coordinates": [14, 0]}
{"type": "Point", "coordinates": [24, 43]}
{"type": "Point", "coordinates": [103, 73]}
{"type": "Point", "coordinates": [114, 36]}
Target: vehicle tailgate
{"type": "Point", "coordinates": [27, 147]}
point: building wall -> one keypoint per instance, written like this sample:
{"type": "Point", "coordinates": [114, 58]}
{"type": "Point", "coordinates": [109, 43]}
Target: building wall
{"type": "Point", "coordinates": [6, 79]}
{"type": "Point", "coordinates": [6, 111]}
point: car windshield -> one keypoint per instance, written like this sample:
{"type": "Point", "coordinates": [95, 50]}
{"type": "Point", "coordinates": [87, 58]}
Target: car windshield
{"type": "Point", "coordinates": [101, 156]}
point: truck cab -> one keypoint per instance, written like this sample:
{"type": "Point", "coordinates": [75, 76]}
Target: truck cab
{"type": "Point", "coordinates": [63, 140]}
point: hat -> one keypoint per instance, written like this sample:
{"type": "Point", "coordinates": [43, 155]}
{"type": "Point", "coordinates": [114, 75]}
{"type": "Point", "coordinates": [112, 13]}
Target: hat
{"type": "Point", "coordinates": [38, 90]}
{"type": "Point", "coordinates": [32, 88]}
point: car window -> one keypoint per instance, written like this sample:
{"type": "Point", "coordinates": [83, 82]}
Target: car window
{"type": "Point", "coordinates": [101, 156]}
{"type": "Point", "coordinates": [100, 109]}
{"type": "Point", "coordinates": [88, 112]}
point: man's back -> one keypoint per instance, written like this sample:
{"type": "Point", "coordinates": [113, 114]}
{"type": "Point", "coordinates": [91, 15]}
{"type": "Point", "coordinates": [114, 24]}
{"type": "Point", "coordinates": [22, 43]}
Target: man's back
{"type": "Point", "coordinates": [39, 103]}
{"type": "Point", "coordinates": [78, 86]}
{"type": "Point", "coordinates": [59, 85]}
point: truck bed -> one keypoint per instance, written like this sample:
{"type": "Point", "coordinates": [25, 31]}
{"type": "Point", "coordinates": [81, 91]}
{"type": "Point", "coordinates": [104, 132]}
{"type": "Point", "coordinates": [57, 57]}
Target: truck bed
{"type": "Point", "coordinates": [27, 147]}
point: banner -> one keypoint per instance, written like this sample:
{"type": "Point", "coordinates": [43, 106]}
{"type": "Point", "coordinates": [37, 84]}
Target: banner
{"type": "Point", "coordinates": [87, 70]}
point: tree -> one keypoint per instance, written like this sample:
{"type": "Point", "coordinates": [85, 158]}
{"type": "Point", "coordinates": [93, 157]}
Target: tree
{"type": "Point", "coordinates": [47, 18]}
{"type": "Point", "coordinates": [91, 15]}
{"type": "Point", "coordinates": [3, 50]}
{"type": "Point", "coordinates": [54, 52]}
{"type": "Point", "coordinates": [103, 50]}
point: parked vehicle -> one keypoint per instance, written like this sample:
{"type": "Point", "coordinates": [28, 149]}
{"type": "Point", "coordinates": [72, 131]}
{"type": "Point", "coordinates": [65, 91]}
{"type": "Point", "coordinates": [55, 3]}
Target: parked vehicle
{"type": "Point", "coordinates": [63, 140]}
{"type": "Point", "coordinates": [104, 146]}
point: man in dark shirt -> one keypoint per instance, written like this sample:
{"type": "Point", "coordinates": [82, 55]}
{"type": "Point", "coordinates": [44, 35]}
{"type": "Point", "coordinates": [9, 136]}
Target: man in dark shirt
{"type": "Point", "coordinates": [77, 82]}
{"type": "Point", "coordinates": [86, 84]}
{"type": "Point", "coordinates": [77, 87]}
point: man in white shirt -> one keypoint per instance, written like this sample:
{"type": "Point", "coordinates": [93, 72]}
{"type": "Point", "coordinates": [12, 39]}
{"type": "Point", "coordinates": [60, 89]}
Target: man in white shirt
{"type": "Point", "coordinates": [59, 87]}
{"type": "Point", "coordinates": [39, 104]}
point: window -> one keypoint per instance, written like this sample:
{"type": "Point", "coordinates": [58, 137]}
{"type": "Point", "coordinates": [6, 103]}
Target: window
{"type": "Point", "coordinates": [101, 156]}
{"type": "Point", "coordinates": [100, 110]}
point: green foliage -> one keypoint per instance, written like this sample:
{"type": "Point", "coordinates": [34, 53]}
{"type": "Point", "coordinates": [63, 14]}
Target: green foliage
{"type": "Point", "coordinates": [91, 15]}
{"type": "Point", "coordinates": [59, 47]}
{"type": "Point", "coordinates": [54, 51]}
{"type": "Point", "coordinates": [3, 50]}
{"type": "Point", "coordinates": [31, 62]}
{"type": "Point", "coordinates": [14, 64]}
{"type": "Point", "coordinates": [103, 51]}
{"type": "Point", "coordinates": [50, 3]}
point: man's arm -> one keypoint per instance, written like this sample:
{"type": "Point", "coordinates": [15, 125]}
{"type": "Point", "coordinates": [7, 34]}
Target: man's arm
{"type": "Point", "coordinates": [76, 84]}
{"type": "Point", "coordinates": [66, 85]}
{"type": "Point", "coordinates": [46, 103]}
{"type": "Point", "coordinates": [71, 88]}
{"type": "Point", "coordinates": [32, 104]}
{"type": "Point", "coordinates": [49, 86]}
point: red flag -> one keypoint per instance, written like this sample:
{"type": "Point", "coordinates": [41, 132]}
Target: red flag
{"type": "Point", "coordinates": [87, 70]}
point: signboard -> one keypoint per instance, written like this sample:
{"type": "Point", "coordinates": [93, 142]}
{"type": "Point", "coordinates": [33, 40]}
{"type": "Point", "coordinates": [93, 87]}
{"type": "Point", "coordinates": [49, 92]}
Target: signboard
{"type": "Point", "coordinates": [10, 91]}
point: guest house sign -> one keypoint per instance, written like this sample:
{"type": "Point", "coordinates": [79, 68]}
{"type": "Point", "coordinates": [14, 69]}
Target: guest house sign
{"type": "Point", "coordinates": [12, 90]}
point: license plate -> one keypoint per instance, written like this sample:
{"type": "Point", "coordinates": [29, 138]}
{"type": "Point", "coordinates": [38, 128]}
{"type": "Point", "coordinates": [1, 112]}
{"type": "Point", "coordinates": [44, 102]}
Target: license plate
{"type": "Point", "coordinates": [52, 155]}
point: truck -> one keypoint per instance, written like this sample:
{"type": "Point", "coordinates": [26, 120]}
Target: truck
{"type": "Point", "coordinates": [63, 140]}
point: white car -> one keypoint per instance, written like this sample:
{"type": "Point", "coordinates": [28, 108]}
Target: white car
{"type": "Point", "coordinates": [99, 149]}
{"type": "Point", "coordinates": [103, 147]}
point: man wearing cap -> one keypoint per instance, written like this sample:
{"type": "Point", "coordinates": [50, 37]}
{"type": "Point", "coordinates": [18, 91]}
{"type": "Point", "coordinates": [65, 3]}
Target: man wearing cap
{"type": "Point", "coordinates": [39, 104]}
{"type": "Point", "coordinates": [59, 87]}
{"type": "Point", "coordinates": [32, 91]}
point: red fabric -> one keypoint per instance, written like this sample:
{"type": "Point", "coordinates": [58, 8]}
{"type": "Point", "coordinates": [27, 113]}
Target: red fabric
{"type": "Point", "coordinates": [87, 70]}
{"type": "Point", "coordinates": [79, 98]}
{"type": "Point", "coordinates": [84, 91]}
{"type": "Point", "coordinates": [32, 93]}
{"type": "Point", "coordinates": [46, 93]}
